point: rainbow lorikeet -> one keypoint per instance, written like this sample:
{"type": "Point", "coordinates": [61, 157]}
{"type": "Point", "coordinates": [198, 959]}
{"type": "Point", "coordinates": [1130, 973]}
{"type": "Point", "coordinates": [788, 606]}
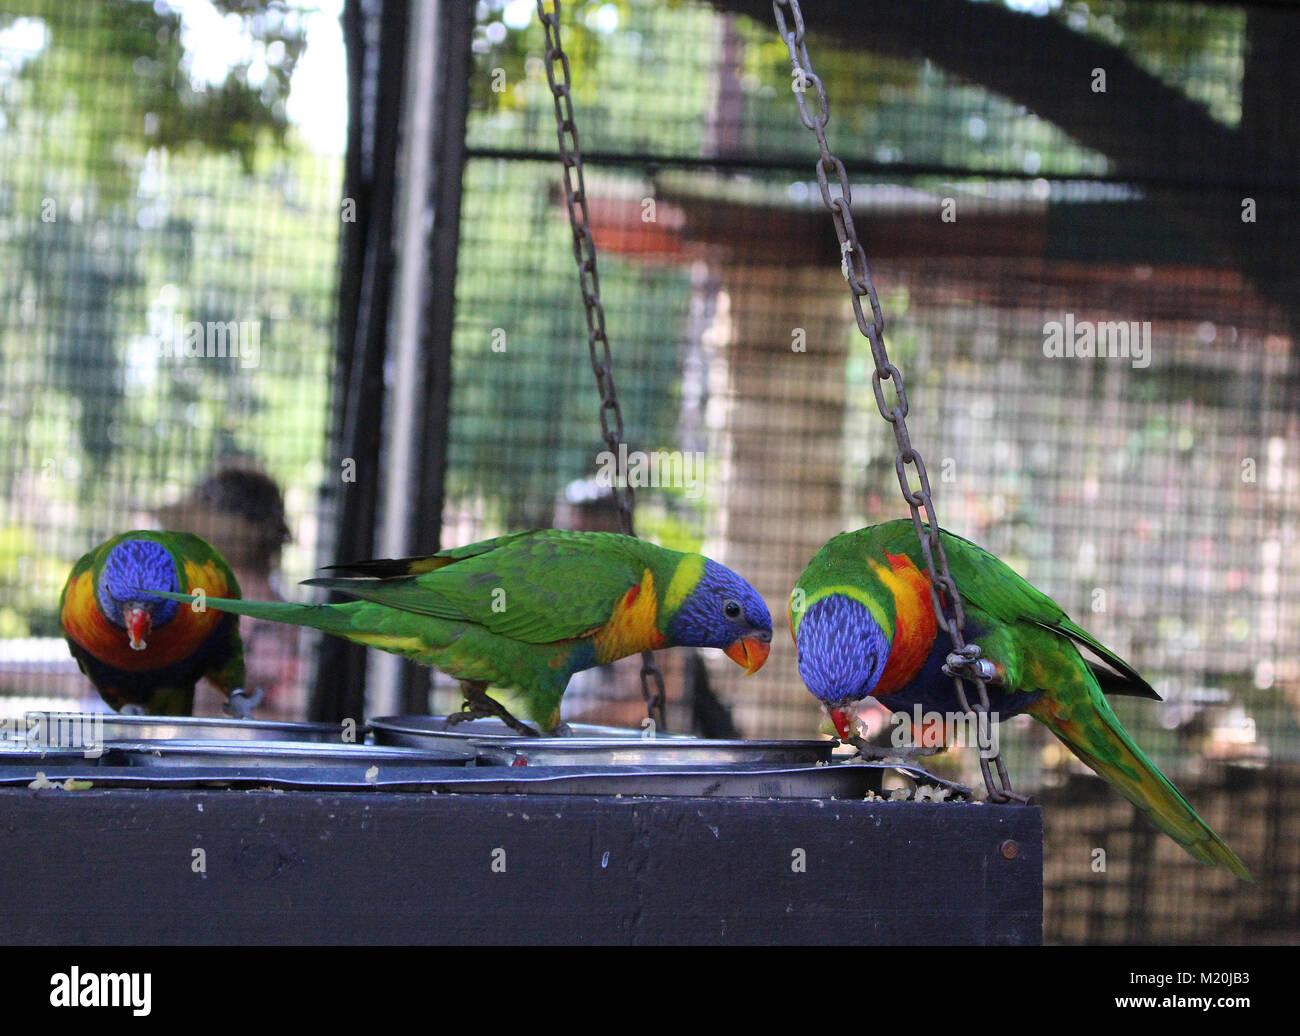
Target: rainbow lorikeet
{"type": "Point", "coordinates": [143, 652]}
{"type": "Point", "coordinates": [864, 626]}
{"type": "Point", "coordinates": [527, 610]}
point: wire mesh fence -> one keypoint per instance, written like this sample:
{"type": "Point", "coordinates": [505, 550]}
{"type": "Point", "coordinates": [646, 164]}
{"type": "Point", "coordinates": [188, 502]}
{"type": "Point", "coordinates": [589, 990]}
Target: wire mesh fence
{"type": "Point", "coordinates": [168, 254]}
{"type": "Point", "coordinates": [1148, 489]}
{"type": "Point", "coordinates": [1028, 178]}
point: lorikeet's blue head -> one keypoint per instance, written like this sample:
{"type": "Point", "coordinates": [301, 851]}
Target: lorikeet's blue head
{"type": "Point", "coordinates": [724, 611]}
{"type": "Point", "coordinates": [130, 566]}
{"type": "Point", "coordinates": [842, 653]}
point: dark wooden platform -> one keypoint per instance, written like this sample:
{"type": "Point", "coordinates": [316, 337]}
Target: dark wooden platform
{"type": "Point", "coordinates": [119, 867]}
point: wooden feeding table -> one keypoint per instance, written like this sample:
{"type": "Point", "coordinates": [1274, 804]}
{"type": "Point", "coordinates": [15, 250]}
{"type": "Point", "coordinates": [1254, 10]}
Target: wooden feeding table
{"type": "Point", "coordinates": [175, 841]}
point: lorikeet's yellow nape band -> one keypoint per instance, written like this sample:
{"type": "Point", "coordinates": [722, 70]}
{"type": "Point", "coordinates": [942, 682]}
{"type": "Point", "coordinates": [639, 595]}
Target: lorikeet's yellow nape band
{"type": "Point", "coordinates": [686, 577]}
{"type": "Point", "coordinates": [207, 576]}
{"type": "Point", "coordinates": [875, 607]}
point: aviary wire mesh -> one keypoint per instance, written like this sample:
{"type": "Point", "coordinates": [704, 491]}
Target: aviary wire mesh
{"type": "Point", "coordinates": [1153, 494]}
{"type": "Point", "coordinates": [168, 246]}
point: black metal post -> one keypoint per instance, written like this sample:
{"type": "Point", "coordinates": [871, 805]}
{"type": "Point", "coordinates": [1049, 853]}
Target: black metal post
{"type": "Point", "coordinates": [447, 146]}
{"type": "Point", "coordinates": [374, 35]}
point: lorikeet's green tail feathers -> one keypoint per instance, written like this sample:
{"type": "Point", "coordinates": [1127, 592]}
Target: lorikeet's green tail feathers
{"type": "Point", "coordinates": [1081, 717]}
{"type": "Point", "coordinates": [324, 617]}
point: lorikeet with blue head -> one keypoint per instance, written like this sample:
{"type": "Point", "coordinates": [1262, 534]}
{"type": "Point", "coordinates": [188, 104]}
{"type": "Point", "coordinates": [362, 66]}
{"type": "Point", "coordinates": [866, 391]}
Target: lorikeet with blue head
{"type": "Point", "coordinates": [144, 653]}
{"type": "Point", "coordinates": [864, 626]}
{"type": "Point", "coordinates": [527, 610]}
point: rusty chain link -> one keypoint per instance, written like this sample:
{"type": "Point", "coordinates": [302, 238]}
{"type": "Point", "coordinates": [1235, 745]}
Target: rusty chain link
{"type": "Point", "coordinates": [964, 663]}
{"type": "Point", "coordinates": [584, 254]}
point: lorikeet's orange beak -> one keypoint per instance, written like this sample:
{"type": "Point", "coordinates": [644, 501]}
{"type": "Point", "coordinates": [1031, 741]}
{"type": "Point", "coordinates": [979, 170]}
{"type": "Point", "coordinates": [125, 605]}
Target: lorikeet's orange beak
{"type": "Point", "coordinates": [138, 625]}
{"type": "Point", "coordinates": [843, 721]}
{"type": "Point", "coordinates": [749, 653]}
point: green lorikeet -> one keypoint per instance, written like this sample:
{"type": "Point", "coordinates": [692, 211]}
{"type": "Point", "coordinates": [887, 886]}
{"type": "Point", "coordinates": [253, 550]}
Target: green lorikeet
{"type": "Point", "coordinates": [527, 610]}
{"type": "Point", "coordinates": [138, 649]}
{"type": "Point", "coordinates": [864, 626]}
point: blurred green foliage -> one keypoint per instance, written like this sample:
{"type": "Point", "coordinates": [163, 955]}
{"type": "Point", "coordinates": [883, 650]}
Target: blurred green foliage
{"type": "Point", "coordinates": [138, 195]}
{"type": "Point", "coordinates": [525, 413]}
{"type": "Point", "coordinates": [1197, 48]}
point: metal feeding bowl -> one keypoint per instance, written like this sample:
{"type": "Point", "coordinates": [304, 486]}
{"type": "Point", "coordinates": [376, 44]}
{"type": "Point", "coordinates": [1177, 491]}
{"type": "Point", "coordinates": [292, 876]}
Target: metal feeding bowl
{"type": "Point", "coordinates": [211, 763]}
{"type": "Point", "coordinates": [64, 752]}
{"type": "Point", "coordinates": [52, 727]}
{"type": "Point", "coordinates": [17, 754]}
{"type": "Point", "coordinates": [434, 732]}
{"type": "Point", "coordinates": [793, 782]}
{"type": "Point", "coordinates": [588, 745]}
{"type": "Point", "coordinates": [696, 753]}
{"type": "Point", "coordinates": [242, 754]}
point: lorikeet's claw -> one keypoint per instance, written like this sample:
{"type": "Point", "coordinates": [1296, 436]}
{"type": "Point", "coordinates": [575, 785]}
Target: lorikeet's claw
{"type": "Point", "coordinates": [870, 751]}
{"type": "Point", "coordinates": [479, 706]}
{"type": "Point", "coordinates": [131, 710]}
{"type": "Point", "coordinates": [241, 703]}
{"type": "Point", "coordinates": [969, 666]}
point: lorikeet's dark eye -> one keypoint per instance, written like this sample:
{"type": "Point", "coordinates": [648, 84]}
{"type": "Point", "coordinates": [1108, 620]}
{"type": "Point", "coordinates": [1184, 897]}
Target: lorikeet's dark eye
{"type": "Point", "coordinates": [732, 609]}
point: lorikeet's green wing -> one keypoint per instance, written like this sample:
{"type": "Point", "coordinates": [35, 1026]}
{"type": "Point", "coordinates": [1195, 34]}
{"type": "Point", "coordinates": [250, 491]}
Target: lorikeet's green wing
{"type": "Point", "coordinates": [387, 568]}
{"type": "Point", "coordinates": [1000, 592]}
{"type": "Point", "coordinates": [519, 586]}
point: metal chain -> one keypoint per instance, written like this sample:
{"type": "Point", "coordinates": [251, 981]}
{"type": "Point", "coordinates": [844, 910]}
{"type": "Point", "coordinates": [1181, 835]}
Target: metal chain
{"type": "Point", "coordinates": [584, 253]}
{"type": "Point", "coordinates": [964, 663]}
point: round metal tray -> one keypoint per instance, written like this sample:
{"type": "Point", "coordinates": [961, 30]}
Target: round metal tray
{"type": "Point", "coordinates": [433, 732]}
{"type": "Point", "coordinates": [795, 782]}
{"type": "Point", "coordinates": [693, 752]}
{"type": "Point", "coordinates": [17, 754]}
{"type": "Point", "coordinates": [110, 726]}
{"type": "Point", "coordinates": [210, 753]}
{"type": "Point", "coordinates": [839, 781]}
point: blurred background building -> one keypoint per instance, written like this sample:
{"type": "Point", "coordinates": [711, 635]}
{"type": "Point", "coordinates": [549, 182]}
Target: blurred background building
{"type": "Point", "coordinates": [356, 205]}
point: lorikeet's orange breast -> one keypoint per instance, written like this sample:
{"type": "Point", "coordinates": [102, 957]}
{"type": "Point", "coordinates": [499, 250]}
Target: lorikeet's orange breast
{"type": "Point", "coordinates": [915, 626]}
{"type": "Point", "coordinates": [632, 626]}
{"type": "Point", "coordinates": [86, 624]}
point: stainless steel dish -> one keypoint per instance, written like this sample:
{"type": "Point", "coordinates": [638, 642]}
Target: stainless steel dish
{"type": "Point", "coordinates": [433, 731]}
{"type": "Point", "coordinates": [807, 782]}
{"type": "Point", "coordinates": [837, 782]}
{"type": "Point", "coordinates": [110, 726]}
{"type": "Point", "coordinates": [15, 754]}
{"type": "Point", "coordinates": [243, 754]}
{"type": "Point", "coordinates": [694, 752]}
{"type": "Point", "coordinates": [295, 765]}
